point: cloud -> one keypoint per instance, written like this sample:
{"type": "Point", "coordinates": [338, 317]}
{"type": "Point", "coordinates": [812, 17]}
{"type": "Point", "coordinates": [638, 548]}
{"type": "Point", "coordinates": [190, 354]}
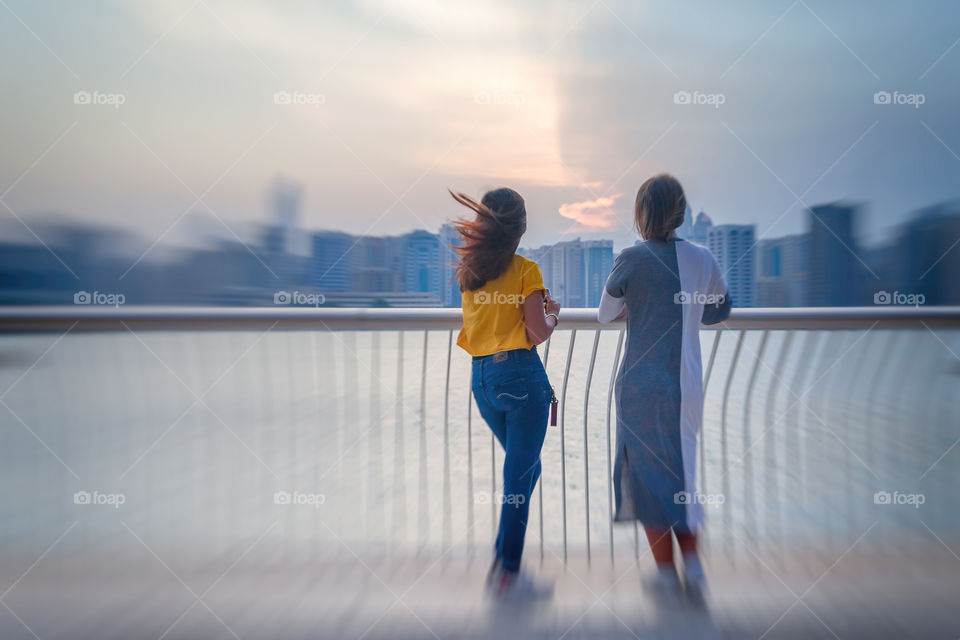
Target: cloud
{"type": "Point", "coordinates": [590, 215]}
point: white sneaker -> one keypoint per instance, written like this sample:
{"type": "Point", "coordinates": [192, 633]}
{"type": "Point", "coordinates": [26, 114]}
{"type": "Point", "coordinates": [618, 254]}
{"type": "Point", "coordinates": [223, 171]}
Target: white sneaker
{"type": "Point", "coordinates": [663, 585]}
{"type": "Point", "coordinates": [510, 586]}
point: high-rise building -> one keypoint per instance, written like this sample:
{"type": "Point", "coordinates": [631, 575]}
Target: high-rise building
{"type": "Point", "coordinates": [733, 247]}
{"type": "Point", "coordinates": [282, 245]}
{"type": "Point", "coordinates": [283, 200]}
{"type": "Point", "coordinates": [701, 229]}
{"type": "Point", "coordinates": [376, 264]}
{"type": "Point", "coordinates": [834, 265]}
{"type": "Point", "coordinates": [575, 271]}
{"type": "Point", "coordinates": [783, 271]}
{"type": "Point", "coordinates": [931, 254]}
{"type": "Point", "coordinates": [685, 230]}
{"type": "Point", "coordinates": [598, 262]}
{"type": "Point", "coordinates": [331, 261]}
{"type": "Point", "coordinates": [449, 238]}
{"type": "Point", "coordinates": [421, 263]}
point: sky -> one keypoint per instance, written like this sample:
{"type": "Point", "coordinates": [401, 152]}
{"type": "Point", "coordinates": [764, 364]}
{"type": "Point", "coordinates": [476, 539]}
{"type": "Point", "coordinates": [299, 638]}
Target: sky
{"type": "Point", "coordinates": [377, 107]}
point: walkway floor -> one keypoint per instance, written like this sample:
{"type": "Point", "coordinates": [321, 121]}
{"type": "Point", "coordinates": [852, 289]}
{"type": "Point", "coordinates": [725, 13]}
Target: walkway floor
{"type": "Point", "coordinates": [875, 595]}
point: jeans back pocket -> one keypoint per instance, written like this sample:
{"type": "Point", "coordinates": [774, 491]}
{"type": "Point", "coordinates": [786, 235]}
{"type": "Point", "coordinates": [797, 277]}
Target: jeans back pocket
{"type": "Point", "coordinates": [510, 394]}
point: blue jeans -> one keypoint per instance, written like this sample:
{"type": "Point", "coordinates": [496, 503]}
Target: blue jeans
{"type": "Point", "coordinates": [513, 395]}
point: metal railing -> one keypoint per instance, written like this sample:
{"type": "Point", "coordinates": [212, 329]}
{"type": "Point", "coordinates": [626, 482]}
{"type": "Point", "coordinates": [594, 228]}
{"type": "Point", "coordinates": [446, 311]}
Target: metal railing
{"type": "Point", "coordinates": [821, 425]}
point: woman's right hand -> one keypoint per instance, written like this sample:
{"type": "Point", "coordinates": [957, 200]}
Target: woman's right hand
{"type": "Point", "coordinates": [550, 305]}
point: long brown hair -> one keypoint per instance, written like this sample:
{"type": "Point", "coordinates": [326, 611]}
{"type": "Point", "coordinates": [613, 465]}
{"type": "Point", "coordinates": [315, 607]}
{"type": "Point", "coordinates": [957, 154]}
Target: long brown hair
{"type": "Point", "coordinates": [660, 207]}
{"type": "Point", "coordinates": [491, 238]}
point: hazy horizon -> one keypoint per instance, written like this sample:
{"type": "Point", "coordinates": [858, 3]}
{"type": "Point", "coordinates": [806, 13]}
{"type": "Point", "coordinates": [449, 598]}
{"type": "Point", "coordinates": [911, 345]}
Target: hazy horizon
{"type": "Point", "coordinates": [573, 104]}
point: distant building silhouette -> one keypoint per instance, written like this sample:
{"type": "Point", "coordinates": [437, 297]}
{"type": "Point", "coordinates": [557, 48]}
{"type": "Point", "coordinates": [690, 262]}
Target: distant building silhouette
{"type": "Point", "coordinates": [421, 263]}
{"type": "Point", "coordinates": [575, 271]}
{"type": "Point", "coordinates": [598, 262]}
{"type": "Point", "coordinates": [449, 237]}
{"type": "Point", "coordinates": [930, 254]}
{"type": "Point", "coordinates": [783, 271]}
{"type": "Point", "coordinates": [834, 264]}
{"type": "Point", "coordinates": [331, 268]}
{"type": "Point", "coordinates": [701, 228]}
{"type": "Point", "coordinates": [733, 247]}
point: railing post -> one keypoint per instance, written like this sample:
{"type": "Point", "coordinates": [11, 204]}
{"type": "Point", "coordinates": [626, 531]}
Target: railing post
{"type": "Point", "coordinates": [423, 511]}
{"type": "Point", "coordinates": [399, 454]}
{"type": "Point", "coordinates": [703, 435]}
{"type": "Point", "coordinates": [586, 456]}
{"type": "Point", "coordinates": [470, 497]}
{"type": "Point", "coordinates": [610, 394]}
{"type": "Point", "coordinates": [771, 488]}
{"type": "Point", "coordinates": [749, 504]}
{"type": "Point", "coordinates": [724, 456]}
{"type": "Point", "coordinates": [447, 499]}
{"type": "Point", "coordinates": [546, 356]}
{"type": "Point", "coordinates": [563, 450]}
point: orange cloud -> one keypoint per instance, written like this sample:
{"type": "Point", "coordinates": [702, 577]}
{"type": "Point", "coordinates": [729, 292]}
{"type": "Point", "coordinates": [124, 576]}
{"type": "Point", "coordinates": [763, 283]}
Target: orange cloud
{"type": "Point", "coordinates": [590, 215]}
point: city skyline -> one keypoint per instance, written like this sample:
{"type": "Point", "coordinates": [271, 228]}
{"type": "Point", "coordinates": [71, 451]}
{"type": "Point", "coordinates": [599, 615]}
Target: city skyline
{"type": "Point", "coordinates": [825, 265]}
{"type": "Point", "coordinates": [574, 112]}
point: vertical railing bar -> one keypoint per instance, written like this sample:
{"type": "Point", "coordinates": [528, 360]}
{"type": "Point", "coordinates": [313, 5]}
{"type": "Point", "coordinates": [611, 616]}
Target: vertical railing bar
{"type": "Point", "coordinates": [316, 441]}
{"type": "Point", "coordinates": [749, 508]}
{"type": "Point", "coordinates": [399, 465]}
{"type": "Point", "coordinates": [771, 487]}
{"type": "Point", "coordinates": [824, 418]}
{"type": "Point", "coordinates": [610, 390]}
{"type": "Point", "coordinates": [792, 431]}
{"type": "Point", "coordinates": [703, 436]}
{"type": "Point", "coordinates": [563, 464]}
{"type": "Point", "coordinates": [586, 457]}
{"type": "Point", "coordinates": [447, 498]}
{"type": "Point", "coordinates": [806, 411]}
{"type": "Point", "coordinates": [724, 458]}
{"type": "Point", "coordinates": [546, 356]}
{"type": "Point", "coordinates": [375, 442]}
{"type": "Point", "coordinates": [424, 528]}
{"type": "Point", "coordinates": [470, 497]}
{"type": "Point", "coordinates": [864, 348]}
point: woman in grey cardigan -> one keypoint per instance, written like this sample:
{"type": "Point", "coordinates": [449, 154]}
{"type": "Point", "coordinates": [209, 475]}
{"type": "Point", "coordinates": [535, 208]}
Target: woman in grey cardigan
{"type": "Point", "coordinates": [665, 287]}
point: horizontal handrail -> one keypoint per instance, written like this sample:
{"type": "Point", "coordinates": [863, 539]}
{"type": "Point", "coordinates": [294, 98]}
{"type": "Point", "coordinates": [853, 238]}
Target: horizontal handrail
{"type": "Point", "coordinates": [41, 319]}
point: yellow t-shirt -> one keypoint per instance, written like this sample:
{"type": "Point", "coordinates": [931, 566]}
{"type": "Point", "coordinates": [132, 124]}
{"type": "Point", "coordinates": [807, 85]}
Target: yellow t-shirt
{"type": "Point", "coordinates": [493, 314]}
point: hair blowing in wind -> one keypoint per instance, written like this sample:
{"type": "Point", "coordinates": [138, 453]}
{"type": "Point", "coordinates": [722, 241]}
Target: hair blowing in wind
{"type": "Point", "coordinates": [491, 238]}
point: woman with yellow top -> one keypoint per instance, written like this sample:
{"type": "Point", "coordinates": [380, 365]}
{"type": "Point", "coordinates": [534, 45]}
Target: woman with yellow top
{"type": "Point", "coordinates": [505, 315]}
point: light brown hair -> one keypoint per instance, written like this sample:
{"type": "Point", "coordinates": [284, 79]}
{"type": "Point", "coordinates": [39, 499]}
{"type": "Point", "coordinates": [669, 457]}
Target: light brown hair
{"type": "Point", "coordinates": [660, 207]}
